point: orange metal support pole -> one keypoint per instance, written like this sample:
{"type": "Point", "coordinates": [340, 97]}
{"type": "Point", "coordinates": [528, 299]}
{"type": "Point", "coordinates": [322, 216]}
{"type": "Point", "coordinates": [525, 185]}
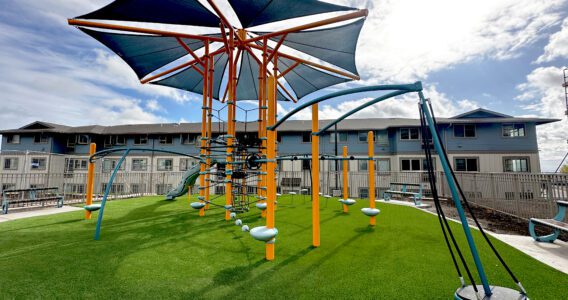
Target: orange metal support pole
{"type": "Point", "coordinates": [203, 142]}
{"type": "Point", "coordinates": [90, 180]}
{"type": "Point", "coordinates": [315, 178]}
{"type": "Point", "coordinates": [271, 165]}
{"type": "Point", "coordinates": [211, 68]}
{"type": "Point", "coordinates": [345, 179]}
{"type": "Point", "coordinates": [371, 141]}
{"type": "Point", "coordinates": [230, 131]}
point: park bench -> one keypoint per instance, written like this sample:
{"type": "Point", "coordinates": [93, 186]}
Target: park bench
{"type": "Point", "coordinates": [413, 190]}
{"type": "Point", "coordinates": [28, 197]}
{"type": "Point", "coordinates": [557, 224]}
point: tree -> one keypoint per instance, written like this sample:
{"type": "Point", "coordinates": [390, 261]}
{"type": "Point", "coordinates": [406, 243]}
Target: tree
{"type": "Point", "coordinates": [564, 169]}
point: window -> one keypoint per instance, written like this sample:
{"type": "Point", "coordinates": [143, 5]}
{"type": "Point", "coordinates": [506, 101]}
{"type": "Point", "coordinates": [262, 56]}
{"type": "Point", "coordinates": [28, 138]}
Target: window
{"type": "Point", "coordinates": [83, 139]}
{"type": "Point", "coordinates": [110, 164]}
{"type": "Point", "coordinates": [140, 140]}
{"type": "Point", "coordinates": [38, 163]}
{"type": "Point", "coordinates": [306, 137]}
{"type": "Point", "coordinates": [74, 188]}
{"type": "Point", "coordinates": [464, 130]}
{"type": "Point", "coordinates": [513, 130]}
{"type": "Point", "coordinates": [363, 192]}
{"type": "Point", "coordinates": [8, 186]}
{"type": "Point", "coordinates": [363, 136]}
{"type": "Point", "coordinates": [465, 164]}
{"type": "Point", "coordinates": [165, 164]}
{"type": "Point", "coordinates": [72, 164]}
{"type": "Point", "coordinates": [305, 165]}
{"type": "Point", "coordinates": [120, 140]}
{"type": "Point", "coordinates": [383, 165]}
{"type": "Point", "coordinates": [11, 163]}
{"type": "Point", "coordinates": [415, 164]}
{"type": "Point", "coordinates": [139, 164]}
{"type": "Point", "coordinates": [186, 163]}
{"type": "Point", "coordinates": [342, 136]}
{"type": "Point", "coordinates": [339, 164]}
{"type": "Point", "coordinates": [40, 139]}
{"type": "Point", "coordinates": [71, 141]}
{"type": "Point", "coordinates": [116, 188]}
{"type": "Point", "coordinates": [187, 139]}
{"type": "Point", "coordinates": [363, 165]}
{"type": "Point", "coordinates": [516, 164]}
{"type": "Point", "coordinates": [382, 137]}
{"type": "Point", "coordinates": [166, 140]}
{"type": "Point", "coordinates": [137, 188]}
{"type": "Point", "coordinates": [409, 134]}
{"type": "Point", "coordinates": [162, 189]}
{"type": "Point", "coordinates": [13, 139]}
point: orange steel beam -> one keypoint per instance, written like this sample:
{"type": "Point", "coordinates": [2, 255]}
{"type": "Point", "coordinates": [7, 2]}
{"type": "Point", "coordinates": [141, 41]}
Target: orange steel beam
{"type": "Point", "coordinates": [307, 62]}
{"type": "Point", "coordinates": [90, 180]}
{"type": "Point", "coordinates": [349, 16]}
{"type": "Point", "coordinates": [224, 35]}
{"type": "Point", "coordinates": [277, 47]}
{"type": "Point", "coordinates": [76, 22]}
{"type": "Point", "coordinates": [187, 64]}
{"type": "Point", "coordinates": [197, 58]}
{"type": "Point", "coordinates": [345, 178]}
{"type": "Point", "coordinates": [315, 178]}
{"type": "Point", "coordinates": [289, 69]}
{"type": "Point", "coordinates": [286, 92]}
{"type": "Point", "coordinates": [219, 13]}
{"type": "Point", "coordinates": [371, 168]}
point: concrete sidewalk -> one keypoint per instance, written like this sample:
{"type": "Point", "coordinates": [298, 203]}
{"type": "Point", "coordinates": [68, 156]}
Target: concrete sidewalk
{"type": "Point", "coordinates": [36, 213]}
{"type": "Point", "coordinates": [554, 254]}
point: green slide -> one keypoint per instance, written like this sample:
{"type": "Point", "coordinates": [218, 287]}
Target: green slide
{"type": "Point", "coordinates": [189, 178]}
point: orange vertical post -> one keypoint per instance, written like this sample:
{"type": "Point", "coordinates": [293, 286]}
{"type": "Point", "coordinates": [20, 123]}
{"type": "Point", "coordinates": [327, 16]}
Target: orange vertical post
{"type": "Point", "coordinates": [90, 180]}
{"type": "Point", "coordinates": [315, 178]}
{"type": "Point", "coordinates": [371, 141]}
{"type": "Point", "coordinates": [345, 179]}
{"type": "Point", "coordinates": [211, 67]}
{"type": "Point", "coordinates": [271, 165]}
{"type": "Point", "coordinates": [203, 142]}
{"type": "Point", "coordinates": [230, 129]}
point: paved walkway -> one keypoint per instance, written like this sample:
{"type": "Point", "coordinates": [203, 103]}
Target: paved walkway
{"type": "Point", "coordinates": [553, 254]}
{"type": "Point", "coordinates": [35, 213]}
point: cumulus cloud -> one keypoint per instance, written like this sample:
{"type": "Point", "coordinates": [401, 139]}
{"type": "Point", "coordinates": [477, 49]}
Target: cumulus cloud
{"type": "Point", "coordinates": [542, 95]}
{"type": "Point", "coordinates": [557, 45]}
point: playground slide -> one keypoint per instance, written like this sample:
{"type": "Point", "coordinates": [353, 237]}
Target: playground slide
{"type": "Point", "coordinates": [188, 179]}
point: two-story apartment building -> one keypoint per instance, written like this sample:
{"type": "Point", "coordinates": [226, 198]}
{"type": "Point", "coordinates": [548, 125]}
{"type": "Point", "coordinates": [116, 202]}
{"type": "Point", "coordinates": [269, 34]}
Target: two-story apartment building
{"type": "Point", "coordinates": [476, 141]}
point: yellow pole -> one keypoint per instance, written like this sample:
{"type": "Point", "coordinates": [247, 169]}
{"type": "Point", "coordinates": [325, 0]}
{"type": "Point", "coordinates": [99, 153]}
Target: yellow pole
{"type": "Point", "coordinates": [315, 178]}
{"type": "Point", "coordinates": [271, 164]}
{"type": "Point", "coordinates": [90, 180]}
{"type": "Point", "coordinates": [345, 181]}
{"type": "Point", "coordinates": [203, 143]}
{"type": "Point", "coordinates": [371, 141]}
{"type": "Point", "coordinates": [230, 129]}
{"type": "Point", "coordinates": [209, 131]}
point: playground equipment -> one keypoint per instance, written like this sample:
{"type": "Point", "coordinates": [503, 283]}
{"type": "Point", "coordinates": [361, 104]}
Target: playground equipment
{"type": "Point", "coordinates": [557, 224]}
{"type": "Point", "coordinates": [151, 53]}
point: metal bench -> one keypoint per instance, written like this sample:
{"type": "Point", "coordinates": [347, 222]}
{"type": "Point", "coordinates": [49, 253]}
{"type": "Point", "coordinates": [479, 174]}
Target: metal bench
{"type": "Point", "coordinates": [25, 197]}
{"type": "Point", "coordinates": [557, 224]}
{"type": "Point", "coordinates": [404, 191]}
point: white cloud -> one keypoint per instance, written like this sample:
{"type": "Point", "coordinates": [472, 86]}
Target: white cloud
{"type": "Point", "coordinates": [542, 94]}
{"type": "Point", "coordinates": [557, 45]}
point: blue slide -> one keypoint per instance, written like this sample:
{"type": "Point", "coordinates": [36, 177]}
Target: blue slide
{"type": "Point", "coordinates": [189, 178]}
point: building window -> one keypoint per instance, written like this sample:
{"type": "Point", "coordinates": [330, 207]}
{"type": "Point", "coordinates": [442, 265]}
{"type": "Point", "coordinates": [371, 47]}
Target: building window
{"type": "Point", "coordinates": [383, 165]}
{"type": "Point", "coordinates": [464, 130]}
{"type": "Point", "coordinates": [339, 164]}
{"type": "Point", "coordinates": [305, 165]}
{"type": "Point", "coordinates": [165, 164]}
{"type": "Point", "coordinates": [162, 189]}
{"type": "Point", "coordinates": [513, 130]}
{"type": "Point", "coordinates": [409, 134]}
{"type": "Point", "coordinates": [116, 188]}
{"type": "Point", "coordinates": [306, 137]}
{"type": "Point", "coordinates": [415, 164]}
{"type": "Point", "coordinates": [516, 164]}
{"type": "Point", "coordinates": [110, 164]}
{"type": "Point", "coordinates": [13, 139]}
{"type": "Point", "coordinates": [139, 164]}
{"type": "Point", "coordinates": [187, 139]}
{"type": "Point", "coordinates": [342, 136]}
{"type": "Point", "coordinates": [71, 142]}
{"type": "Point", "coordinates": [120, 140]}
{"type": "Point", "coordinates": [40, 139]}
{"type": "Point", "coordinates": [166, 140]}
{"type": "Point", "coordinates": [72, 164]}
{"type": "Point", "coordinates": [186, 163]}
{"type": "Point", "coordinates": [364, 192]}
{"type": "Point", "coordinates": [39, 163]}
{"type": "Point", "coordinates": [363, 165]}
{"type": "Point", "coordinates": [464, 164]}
{"type": "Point", "coordinates": [137, 188]}
{"type": "Point", "coordinates": [8, 186]}
{"type": "Point", "coordinates": [83, 139]}
{"type": "Point", "coordinates": [382, 138]}
{"type": "Point", "coordinates": [363, 136]}
{"type": "Point", "coordinates": [10, 163]}
{"type": "Point", "coordinates": [75, 188]}
{"type": "Point", "coordinates": [140, 140]}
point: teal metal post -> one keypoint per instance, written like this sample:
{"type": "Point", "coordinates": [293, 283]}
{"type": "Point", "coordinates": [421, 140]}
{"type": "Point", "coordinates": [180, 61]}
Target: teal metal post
{"type": "Point", "coordinates": [455, 195]}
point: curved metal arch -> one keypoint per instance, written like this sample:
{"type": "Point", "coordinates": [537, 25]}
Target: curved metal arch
{"type": "Point", "coordinates": [413, 87]}
{"type": "Point", "coordinates": [104, 153]}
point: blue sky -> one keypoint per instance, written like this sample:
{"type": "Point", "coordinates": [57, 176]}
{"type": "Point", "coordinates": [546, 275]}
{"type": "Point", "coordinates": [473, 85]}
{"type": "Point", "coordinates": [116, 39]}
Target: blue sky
{"type": "Point", "coordinates": [504, 55]}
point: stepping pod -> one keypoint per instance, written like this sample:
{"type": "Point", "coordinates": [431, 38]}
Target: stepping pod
{"type": "Point", "coordinates": [371, 212]}
{"type": "Point", "coordinates": [92, 207]}
{"type": "Point", "coordinates": [197, 205]}
{"type": "Point", "coordinates": [261, 206]}
{"type": "Point", "coordinates": [239, 222]}
{"type": "Point", "coordinates": [245, 228]}
{"type": "Point", "coordinates": [348, 202]}
{"type": "Point", "coordinates": [264, 234]}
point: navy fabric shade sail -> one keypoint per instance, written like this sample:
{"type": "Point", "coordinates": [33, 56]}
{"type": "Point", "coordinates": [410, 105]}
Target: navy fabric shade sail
{"type": "Point", "coordinates": [167, 58]}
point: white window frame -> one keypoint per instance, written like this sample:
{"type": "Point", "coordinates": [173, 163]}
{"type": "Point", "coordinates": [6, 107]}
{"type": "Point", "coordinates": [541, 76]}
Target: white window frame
{"type": "Point", "coordinates": [13, 165]}
{"type": "Point", "coordinates": [503, 131]}
{"type": "Point", "coordinates": [39, 164]}
{"type": "Point", "coordinates": [528, 163]}
{"type": "Point", "coordinates": [466, 163]}
{"type": "Point", "coordinates": [159, 166]}
{"type": "Point", "coordinates": [464, 135]}
{"type": "Point", "coordinates": [409, 129]}
{"type": "Point", "coordinates": [137, 167]}
{"type": "Point", "coordinates": [13, 139]}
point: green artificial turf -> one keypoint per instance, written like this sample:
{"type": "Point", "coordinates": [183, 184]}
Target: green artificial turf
{"type": "Point", "coordinates": [152, 248]}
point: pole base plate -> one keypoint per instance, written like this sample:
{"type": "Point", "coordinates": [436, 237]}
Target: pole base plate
{"type": "Point", "coordinates": [498, 293]}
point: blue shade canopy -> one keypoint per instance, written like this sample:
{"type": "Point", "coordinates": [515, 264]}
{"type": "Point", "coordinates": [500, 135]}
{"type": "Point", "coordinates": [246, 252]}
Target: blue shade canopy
{"type": "Point", "coordinates": [305, 80]}
{"type": "Point", "coordinates": [144, 53]}
{"type": "Point", "coordinates": [190, 80]}
{"type": "Point", "coordinates": [181, 12]}
{"type": "Point", "coordinates": [335, 45]}
{"type": "Point", "coordinates": [247, 84]}
{"type": "Point", "coordinates": [258, 12]}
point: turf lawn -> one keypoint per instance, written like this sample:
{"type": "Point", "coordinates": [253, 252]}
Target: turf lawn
{"type": "Point", "coordinates": [152, 248]}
